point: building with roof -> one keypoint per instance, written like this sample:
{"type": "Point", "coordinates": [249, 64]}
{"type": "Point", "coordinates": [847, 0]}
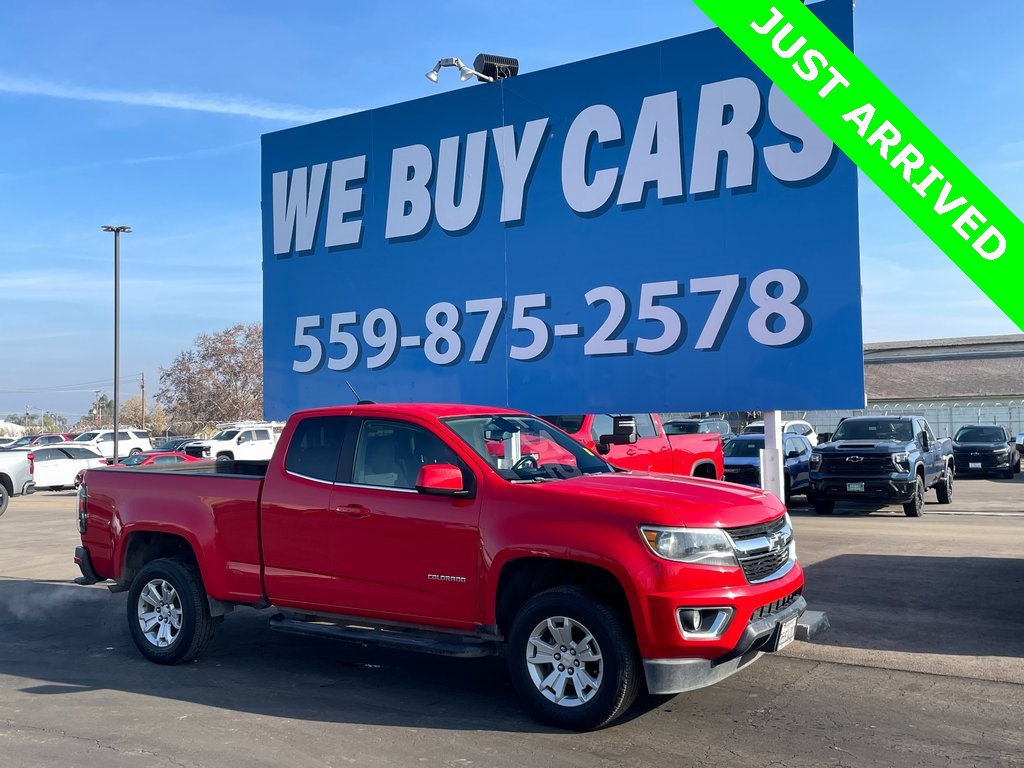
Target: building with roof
{"type": "Point", "coordinates": [951, 382]}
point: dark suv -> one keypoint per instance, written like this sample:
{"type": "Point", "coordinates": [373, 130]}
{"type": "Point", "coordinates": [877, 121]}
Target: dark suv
{"type": "Point", "coordinates": [699, 427]}
{"type": "Point", "coordinates": [984, 449]}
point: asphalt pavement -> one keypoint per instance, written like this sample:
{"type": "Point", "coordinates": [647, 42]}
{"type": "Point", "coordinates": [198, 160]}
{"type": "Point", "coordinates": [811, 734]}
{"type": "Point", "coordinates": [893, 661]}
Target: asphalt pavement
{"type": "Point", "coordinates": [923, 666]}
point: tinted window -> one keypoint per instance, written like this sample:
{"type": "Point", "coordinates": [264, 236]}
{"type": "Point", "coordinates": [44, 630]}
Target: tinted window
{"type": "Point", "coordinates": [80, 452]}
{"type": "Point", "coordinates": [86, 437]}
{"type": "Point", "coordinates": [645, 425]}
{"type": "Point", "coordinates": [743, 448]}
{"type": "Point", "coordinates": [316, 447]}
{"type": "Point", "coordinates": [47, 454]}
{"type": "Point", "coordinates": [390, 453]}
{"type": "Point", "coordinates": [601, 425]}
{"type": "Point", "coordinates": [754, 429]}
{"type": "Point", "coordinates": [980, 435]}
{"type": "Point", "coordinates": [262, 434]}
{"type": "Point", "coordinates": [570, 424]}
{"type": "Point", "coordinates": [681, 427]}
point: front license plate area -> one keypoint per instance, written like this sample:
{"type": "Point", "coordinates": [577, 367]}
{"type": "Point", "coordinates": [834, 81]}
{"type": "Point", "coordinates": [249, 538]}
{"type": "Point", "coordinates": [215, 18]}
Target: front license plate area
{"type": "Point", "coordinates": [855, 487]}
{"type": "Point", "coordinates": [786, 634]}
{"type": "Point", "coordinates": [975, 465]}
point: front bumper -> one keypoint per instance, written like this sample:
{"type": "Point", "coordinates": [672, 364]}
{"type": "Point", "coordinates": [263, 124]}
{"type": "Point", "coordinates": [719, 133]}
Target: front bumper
{"type": "Point", "coordinates": [887, 489]}
{"type": "Point", "coordinates": [987, 464]}
{"type": "Point", "coordinates": [666, 676]}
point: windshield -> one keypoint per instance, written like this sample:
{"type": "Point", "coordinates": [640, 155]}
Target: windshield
{"type": "Point", "coordinates": [22, 441]}
{"type": "Point", "coordinates": [131, 461]}
{"type": "Point", "coordinates": [681, 427]}
{"type": "Point", "coordinates": [227, 434]}
{"type": "Point", "coordinates": [86, 437]}
{"type": "Point", "coordinates": [980, 435]}
{"type": "Point", "coordinates": [754, 429]}
{"type": "Point", "coordinates": [740, 448]}
{"type": "Point", "coordinates": [524, 448]}
{"type": "Point", "coordinates": [876, 429]}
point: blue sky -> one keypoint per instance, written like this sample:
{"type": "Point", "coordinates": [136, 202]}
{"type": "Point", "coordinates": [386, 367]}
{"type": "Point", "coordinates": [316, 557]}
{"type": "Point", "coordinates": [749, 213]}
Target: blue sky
{"type": "Point", "coordinates": [150, 115]}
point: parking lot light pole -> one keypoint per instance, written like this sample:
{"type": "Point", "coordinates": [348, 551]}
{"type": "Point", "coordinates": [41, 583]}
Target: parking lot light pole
{"type": "Point", "coordinates": [117, 321]}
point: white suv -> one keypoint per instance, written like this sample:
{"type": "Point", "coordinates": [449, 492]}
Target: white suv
{"type": "Point", "coordinates": [241, 442]}
{"type": "Point", "coordinates": [129, 441]}
{"type": "Point", "coordinates": [796, 426]}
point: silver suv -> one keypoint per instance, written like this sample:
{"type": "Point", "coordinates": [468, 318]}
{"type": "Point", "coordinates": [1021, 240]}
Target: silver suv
{"type": "Point", "coordinates": [129, 441]}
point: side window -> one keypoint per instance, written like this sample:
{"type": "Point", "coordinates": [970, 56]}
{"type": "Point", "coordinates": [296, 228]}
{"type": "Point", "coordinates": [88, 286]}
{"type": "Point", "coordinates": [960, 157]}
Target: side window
{"type": "Point", "coordinates": [927, 430]}
{"type": "Point", "coordinates": [315, 448]}
{"type": "Point", "coordinates": [389, 454]}
{"type": "Point", "coordinates": [106, 437]}
{"type": "Point", "coordinates": [263, 434]}
{"type": "Point", "coordinates": [166, 460]}
{"type": "Point", "coordinates": [600, 425]}
{"type": "Point", "coordinates": [245, 437]}
{"type": "Point", "coordinates": [123, 436]}
{"type": "Point", "coordinates": [644, 425]}
{"type": "Point", "coordinates": [46, 455]}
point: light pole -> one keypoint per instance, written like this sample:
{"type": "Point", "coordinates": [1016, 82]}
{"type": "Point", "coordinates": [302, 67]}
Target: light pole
{"type": "Point", "coordinates": [117, 321]}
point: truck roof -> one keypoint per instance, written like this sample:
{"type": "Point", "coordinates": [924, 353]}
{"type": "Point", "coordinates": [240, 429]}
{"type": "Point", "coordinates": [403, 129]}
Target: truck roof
{"type": "Point", "coordinates": [430, 410]}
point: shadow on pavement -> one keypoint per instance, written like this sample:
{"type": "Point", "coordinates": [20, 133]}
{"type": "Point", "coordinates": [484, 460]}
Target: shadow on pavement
{"type": "Point", "coordinates": [963, 606]}
{"type": "Point", "coordinates": [65, 639]}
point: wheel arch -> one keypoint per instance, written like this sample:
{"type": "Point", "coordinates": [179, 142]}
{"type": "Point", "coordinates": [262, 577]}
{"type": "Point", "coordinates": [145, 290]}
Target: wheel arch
{"type": "Point", "coordinates": [524, 577]}
{"type": "Point", "coordinates": [142, 547]}
{"type": "Point", "coordinates": [705, 468]}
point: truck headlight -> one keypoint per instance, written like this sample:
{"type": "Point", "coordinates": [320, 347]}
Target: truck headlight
{"type": "Point", "coordinates": [1003, 451]}
{"type": "Point", "coordinates": [699, 546]}
{"type": "Point", "coordinates": [902, 461]}
{"type": "Point", "coordinates": [815, 460]}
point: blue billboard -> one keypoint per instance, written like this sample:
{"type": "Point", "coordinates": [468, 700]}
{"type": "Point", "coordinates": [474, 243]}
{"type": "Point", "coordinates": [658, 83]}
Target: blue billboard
{"type": "Point", "coordinates": [658, 229]}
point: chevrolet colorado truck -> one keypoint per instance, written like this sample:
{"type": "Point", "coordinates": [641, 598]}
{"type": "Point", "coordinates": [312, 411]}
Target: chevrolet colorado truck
{"type": "Point", "coordinates": [652, 450]}
{"type": "Point", "coordinates": [432, 528]}
{"type": "Point", "coordinates": [879, 460]}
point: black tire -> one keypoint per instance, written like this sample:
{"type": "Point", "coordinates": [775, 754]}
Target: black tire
{"type": "Point", "coordinates": [5, 498]}
{"type": "Point", "coordinates": [177, 590]}
{"type": "Point", "coordinates": [225, 457]}
{"type": "Point", "coordinates": [1016, 466]}
{"type": "Point", "coordinates": [915, 507]}
{"type": "Point", "coordinates": [786, 496]}
{"type": "Point", "coordinates": [134, 451]}
{"type": "Point", "coordinates": [823, 507]}
{"type": "Point", "coordinates": [1008, 473]}
{"type": "Point", "coordinates": [944, 490]}
{"type": "Point", "coordinates": [617, 674]}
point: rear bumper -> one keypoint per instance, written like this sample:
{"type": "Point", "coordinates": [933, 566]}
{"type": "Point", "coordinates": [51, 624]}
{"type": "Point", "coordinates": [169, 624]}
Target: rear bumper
{"type": "Point", "coordinates": [28, 488]}
{"type": "Point", "coordinates": [84, 563]}
{"type": "Point", "coordinates": [665, 676]}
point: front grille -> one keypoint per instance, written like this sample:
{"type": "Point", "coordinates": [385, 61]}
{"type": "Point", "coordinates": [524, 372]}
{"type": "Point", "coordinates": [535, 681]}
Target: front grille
{"type": "Point", "coordinates": [858, 464]}
{"type": "Point", "coordinates": [760, 565]}
{"type": "Point", "coordinates": [965, 459]}
{"type": "Point", "coordinates": [773, 608]}
{"type": "Point", "coordinates": [742, 475]}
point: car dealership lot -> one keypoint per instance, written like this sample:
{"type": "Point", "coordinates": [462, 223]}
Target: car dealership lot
{"type": "Point", "coordinates": [924, 665]}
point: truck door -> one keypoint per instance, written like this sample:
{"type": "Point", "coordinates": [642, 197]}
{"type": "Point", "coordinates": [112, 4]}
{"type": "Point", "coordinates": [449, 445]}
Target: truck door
{"type": "Point", "coordinates": [396, 551]}
{"type": "Point", "coordinates": [650, 452]}
{"type": "Point", "coordinates": [932, 458]}
{"type": "Point", "coordinates": [296, 516]}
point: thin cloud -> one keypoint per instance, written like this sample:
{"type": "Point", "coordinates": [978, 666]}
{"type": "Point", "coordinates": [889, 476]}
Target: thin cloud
{"type": "Point", "coordinates": [221, 105]}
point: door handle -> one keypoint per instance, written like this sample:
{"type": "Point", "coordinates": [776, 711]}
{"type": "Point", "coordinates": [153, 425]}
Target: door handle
{"type": "Point", "coordinates": [355, 511]}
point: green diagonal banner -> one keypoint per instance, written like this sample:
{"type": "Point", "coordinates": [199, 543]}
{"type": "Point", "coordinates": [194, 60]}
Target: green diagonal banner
{"type": "Point", "coordinates": [895, 149]}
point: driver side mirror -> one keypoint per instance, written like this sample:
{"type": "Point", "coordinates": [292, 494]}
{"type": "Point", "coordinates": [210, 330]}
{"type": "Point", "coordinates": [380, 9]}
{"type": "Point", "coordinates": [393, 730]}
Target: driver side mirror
{"type": "Point", "coordinates": [623, 432]}
{"type": "Point", "coordinates": [793, 455]}
{"type": "Point", "coordinates": [440, 480]}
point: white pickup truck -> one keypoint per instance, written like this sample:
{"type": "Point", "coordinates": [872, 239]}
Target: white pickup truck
{"type": "Point", "coordinates": [238, 442]}
{"type": "Point", "coordinates": [17, 472]}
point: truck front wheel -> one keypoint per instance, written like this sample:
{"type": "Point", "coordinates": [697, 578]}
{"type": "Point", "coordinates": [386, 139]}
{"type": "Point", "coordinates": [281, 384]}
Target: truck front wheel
{"type": "Point", "coordinates": [915, 507]}
{"type": "Point", "coordinates": [573, 660]}
{"type": "Point", "coordinates": [168, 616]}
{"type": "Point", "coordinates": [944, 490]}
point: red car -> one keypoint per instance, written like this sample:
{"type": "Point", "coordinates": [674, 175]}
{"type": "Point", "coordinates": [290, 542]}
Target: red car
{"type": "Point", "coordinates": [156, 457]}
{"type": "Point", "coordinates": [44, 438]}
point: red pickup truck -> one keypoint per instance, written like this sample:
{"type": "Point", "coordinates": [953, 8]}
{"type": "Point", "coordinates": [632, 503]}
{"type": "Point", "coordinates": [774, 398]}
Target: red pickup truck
{"type": "Point", "coordinates": [699, 455]}
{"type": "Point", "coordinates": [430, 527]}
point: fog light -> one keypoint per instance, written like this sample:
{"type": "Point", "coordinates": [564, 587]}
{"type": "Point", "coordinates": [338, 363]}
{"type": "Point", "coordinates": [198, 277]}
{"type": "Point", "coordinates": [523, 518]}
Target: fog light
{"type": "Point", "coordinates": [689, 619]}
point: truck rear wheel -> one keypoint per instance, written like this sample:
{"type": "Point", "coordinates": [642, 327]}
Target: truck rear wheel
{"type": "Point", "coordinates": [944, 490]}
{"type": "Point", "coordinates": [168, 616]}
{"type": "Point", "coordinates": [573, 660]}
{"type": "Point", "coordinates": [915, 507]}
{"type": "Point", "coordinates": [5, 498]}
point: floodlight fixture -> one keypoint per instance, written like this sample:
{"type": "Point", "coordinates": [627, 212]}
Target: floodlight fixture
{"type": "Point", "coordinates": [486, 68]}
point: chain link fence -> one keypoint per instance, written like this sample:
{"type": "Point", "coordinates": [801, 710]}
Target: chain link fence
{"type": "Point", "coordinates": [945, 417]}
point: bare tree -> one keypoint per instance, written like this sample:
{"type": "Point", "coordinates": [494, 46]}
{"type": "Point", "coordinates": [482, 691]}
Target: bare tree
{"type": "Point", "coordinates": [219, 379]}
{"type": "Point", "coordinates": [132, 415]}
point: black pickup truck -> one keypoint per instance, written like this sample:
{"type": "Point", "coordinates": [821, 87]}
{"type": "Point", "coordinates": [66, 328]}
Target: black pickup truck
{"type": "Point", "coordinates": [879, 460]}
